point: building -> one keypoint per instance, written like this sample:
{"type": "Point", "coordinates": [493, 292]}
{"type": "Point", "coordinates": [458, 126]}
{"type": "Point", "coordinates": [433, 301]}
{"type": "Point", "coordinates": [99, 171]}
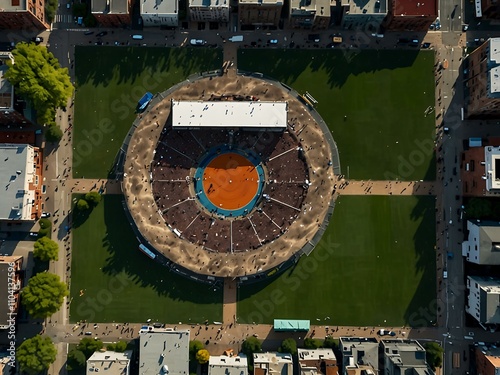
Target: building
{"type": "Point", "coordinates": [364, 15]}
{"type": "Point", "coordinates": [272, 363]}
{"type": "Point", "coordinates": [112, 13]}
{"type": "Point", "coordinates": [479, 167]}
{"type": "Point", "coordinates": [209, 11]}
{"type": "Point", "coordinates": [21, 182]}
{"type": "Point", "coordinates": [483, 244]}
{"type": "Point", "coordinates": [10, 286]}
{"type": "Point", "coordinates": [109, 363]}
{"type": "Point", "coordinates": [487, 360]}
{"type": "Point", "coordinates": [414, 15]}
{"type": "Point", "coordinates": [224, 365]}
{"type": "Point", "coordinates": [309, 14]}
{"type": "Point", "coordinates": [160, 12]}
{"type": "Point", "coordinates": [483, 80]}
{"type": "Point", "coordinates": [23, 14]}
{"type": "Point", "coordinates": [359, 355]}
{"type": "Point", "coordinates": [162, 350]}
{"type": "Point", "coordinates": [259, 12]}
{"type": "Point", "coordinates": [482, 301]}
{"type": "Point", "coordinates": [404, 357]}
{"type": "Point", "coordinates": [6, 367]}
{"type": "Point", "coordinates": [317, 362]}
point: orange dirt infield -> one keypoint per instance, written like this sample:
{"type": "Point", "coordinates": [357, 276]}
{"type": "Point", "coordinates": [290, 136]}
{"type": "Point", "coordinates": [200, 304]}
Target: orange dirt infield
{"type": "Point", "coordinates": [230, 181]}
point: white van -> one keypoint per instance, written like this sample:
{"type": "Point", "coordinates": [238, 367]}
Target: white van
{"type": "Point", "coordinates": [137, 37]}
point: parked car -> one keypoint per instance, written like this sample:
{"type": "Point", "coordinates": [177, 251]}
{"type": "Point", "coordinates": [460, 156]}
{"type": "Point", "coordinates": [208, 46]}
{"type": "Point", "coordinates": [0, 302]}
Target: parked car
{"type": "Point", "coordinates": [88, 333]}
{"type": "Point", "coordinates": [102, 33]}
{"type": "Point", "coordinates": [272, 41]}
{"type": "Point", "coordinates": [414, 43]}
{"type": "Point", "coordinates": [386, 332]}
{"type": "Point", "coordinates": [426, 45]}
{"type": "Point", "coordinates": [197, 42]}
{"type": "Point", "coordinates": [465, 28]}
{"type": "Point", "coordinates": [37, 39]}
{"type": "Point", "coordinates": [88, 32]}
{"type": "Point", "coordinates": [45, 214]}
{"type": "Point", "coordinates": [33, 234]}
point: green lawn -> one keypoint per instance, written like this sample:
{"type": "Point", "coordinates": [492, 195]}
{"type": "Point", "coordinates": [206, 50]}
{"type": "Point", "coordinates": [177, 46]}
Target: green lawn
{"type": "Point", "coordinates": [110, 81]}
{"type": "Point", "coordinates": [374, 265]}
{"type": "Point", "coordinates": [383, 94]}
{"type": "Point", "coordinates": [121, 284]}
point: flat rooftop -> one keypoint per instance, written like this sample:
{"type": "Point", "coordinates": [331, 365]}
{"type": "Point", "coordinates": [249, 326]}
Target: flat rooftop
{"type": "Point", "coordinates": [492, 167]}
{"type": "Point", "coordinates": [6, 90]}
{"type": "Point", "coordinates": [109, 363]}
{"type": "Point", "coordinates": [110, 6]}
{"type": "Point", "coordinates": [261, 2]}
{"type": "Point", "coordinates": [156, 7]}
{"type": "Point", "coordinates": [229, 114]}
{"type": "Point", "coordinates": [209, 3]}
{"type": "Point", "coordinates": [224, 365]}
{"type": "Point", "coordinates": [367, 6]}
{"type": "Point", "coordinates": [302, 7]}
{"type": "Point", "coordinates": [164, 348]}
{"type": "Point", "coordinates": [273, 363]}
{"type": "Point", "coordinates": [16, 173]}
{"type": "Point", "coordinates": [415, 8]}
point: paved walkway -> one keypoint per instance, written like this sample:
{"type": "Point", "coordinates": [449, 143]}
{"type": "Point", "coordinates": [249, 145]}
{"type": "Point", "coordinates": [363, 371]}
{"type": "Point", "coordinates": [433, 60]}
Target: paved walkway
{"type": "Point", "coordinates": [385, 187]}
{"type": "Point", "coordinates": [229, 301]}
{"type": "Point", "coordinates": [230, 52]}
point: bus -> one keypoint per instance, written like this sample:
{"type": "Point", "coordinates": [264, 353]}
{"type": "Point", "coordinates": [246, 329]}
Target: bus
{"type": "Point", "coordinates": [146, 251]}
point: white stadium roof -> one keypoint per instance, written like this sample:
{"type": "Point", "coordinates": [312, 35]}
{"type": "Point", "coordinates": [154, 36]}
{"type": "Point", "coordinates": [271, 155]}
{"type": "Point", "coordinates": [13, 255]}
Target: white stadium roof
{"type": "Point", "coordinates": [230, 114]}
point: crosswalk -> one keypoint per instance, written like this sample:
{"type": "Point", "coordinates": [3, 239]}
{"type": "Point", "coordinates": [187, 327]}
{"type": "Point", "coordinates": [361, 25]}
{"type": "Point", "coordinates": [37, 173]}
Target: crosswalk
{"type": "Point", "coordinates": [63, 18]}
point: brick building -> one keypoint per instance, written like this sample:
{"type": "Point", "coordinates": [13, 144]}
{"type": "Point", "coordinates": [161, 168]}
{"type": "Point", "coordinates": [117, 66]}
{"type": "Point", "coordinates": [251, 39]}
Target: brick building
{"type": "Point", "coordinates": [209, 10]}
{"type": "Point", "coordinates": [309, 14]}
{"type": "Point", "coordinates": [112, 13]}
{"type": "Point", "coordinates": [259, 12]}
{"type": "Point", "coordinates": [23, 14]}
{"type": "Point", "coordinates": [414, 15]}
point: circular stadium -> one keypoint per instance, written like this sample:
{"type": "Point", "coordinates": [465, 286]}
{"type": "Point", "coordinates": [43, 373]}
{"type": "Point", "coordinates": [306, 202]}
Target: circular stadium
{"type": "Point", "coordinates": [228, 177]}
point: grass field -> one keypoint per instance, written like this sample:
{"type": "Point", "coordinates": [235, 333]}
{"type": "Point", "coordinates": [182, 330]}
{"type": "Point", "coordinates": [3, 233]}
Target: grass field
{"type": "Point", "coordinates": [374, 265]}
{"type": "Point", "coordinates": [383, 94]}
{"type": "Point", "coordinates": [110, 81]}
{"type": "Point", "coordinates": [121, 284]}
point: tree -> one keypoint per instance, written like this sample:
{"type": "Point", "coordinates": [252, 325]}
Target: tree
{"type": "Point", "coordinates": [45, 227]}
{"type": "Point", "coordinates": [434, 355]}
{"type": "Point", "coordinates": [288, 346]}
{"type": "Point", "coordinates": [53, 133]}
{"type": "Point", "coordinates": [93, 198]}
{"type": "Point", "coordinates": [478, 208]}
{"type": "Point", "coordinates": [330, 342]}
{"type": "Point", "coordinates": [44, 294]}
{"type": "Point", "coordinates": [119, 347]}
{"type": "Point", "coordinates": [88, 346]}
{"type": "Point", "coordinates": [82, 205]}
{"type": "Point", "coordinates": [38, 77]}
{"type": "Point", "coordinates": [202, 356]}
{"type": "Point", "coordinates": [35, 355]}
{"type": "Point", "coordinates": [194, 347]}
{"type": "Point", "coordinates": [45, 249]}
{"type": "Point", "coordinates": [251, 345]}
{"type": "Point", "coordinates": [310, 343]}
{"type": "Point", "coordinates": [76, 360]}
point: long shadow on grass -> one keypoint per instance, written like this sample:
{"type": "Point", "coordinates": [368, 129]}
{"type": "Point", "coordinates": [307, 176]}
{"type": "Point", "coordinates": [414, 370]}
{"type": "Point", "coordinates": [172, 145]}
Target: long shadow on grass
{"type": "Point", "coordinates": [422, 310]}
{"type": "Point", "coordinates": [288, 65]}
{"type": "Point", "coordinates": [103, 65]}
{"type": "Point", "coordinates": [124, 256]}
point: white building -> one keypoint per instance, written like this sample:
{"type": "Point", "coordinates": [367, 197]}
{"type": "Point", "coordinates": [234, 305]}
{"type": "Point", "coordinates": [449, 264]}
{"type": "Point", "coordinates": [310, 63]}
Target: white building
{"type": "Point", "coordinates": [164, 351]}
{"type": "Point", "coordinates": [224, 365]}
{"type": "Point", "coordinates": [482, 302]}
{"type": "Point", "coordinates": [404, 357]}
{"type": "Point", "coordinates": [209, 10]}
{"type": "Point", "coordinates": [272, 363]}
{"type": "Point", "coordinates": [492, 160]}
{"type": "Point", "coordinates": [367, 15]}
{"type": "Point", "coordinates": [360, 356]}
{"type": "Point", "coordinates": [160, 12]}
{"type": "Point", "coordinates": [109, 363]}
{"type": "Point", "coordinates": [18, 181]}
{"type": "Point", "coordinates": [483, 244]}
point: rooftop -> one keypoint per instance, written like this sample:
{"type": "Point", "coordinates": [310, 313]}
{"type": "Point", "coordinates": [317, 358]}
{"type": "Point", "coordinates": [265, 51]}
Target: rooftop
{"type": "Point", "coordinates": [484, 237]}
{"type": "Point", "coordinates": [367, 7]}
{"type": "Point", "coordinates": [12, 5]}
{"type": "Point", "coordinates": [209, 3]}
{"type": "Point", "coordinates": [273, 363]}
{"type": "Point", "coordinates": [317, 361]}
{"type": "Point", "coordinates": [158, 7]}
{"type": "Point", "coordinates": [415, 8]}
{"type": "Point", "coordinates": [16, 173]}
{"type": "Point", "coordinates": [311, 7]}
{"type": "Point", "coordinates": [405, 353]}
{"type": "Point", "coordinates": [164, 348]}
{"type": "Point", "coordinates": [223, 365]}
{"type": "Point", "coordinates": [251, 114]}
{"type": "Point", "coordinates": [360, 351]}
{"type": "Point", "coordinates": [492, 168]}
{"type": "Point", "coordinates": [486, 301]}
{"type": "Point", "coordinates": [262, 2]}
{"type": "Point", "coordinates": [109, 363]}
{"type": "Point", "coordinates": [110, 6]}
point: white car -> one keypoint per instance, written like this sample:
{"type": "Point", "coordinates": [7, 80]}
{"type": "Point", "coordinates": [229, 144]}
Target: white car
{"type": "Point", "coordinates": [197, 42]}
{"type": "Point", "coordinates": [45, 214]}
